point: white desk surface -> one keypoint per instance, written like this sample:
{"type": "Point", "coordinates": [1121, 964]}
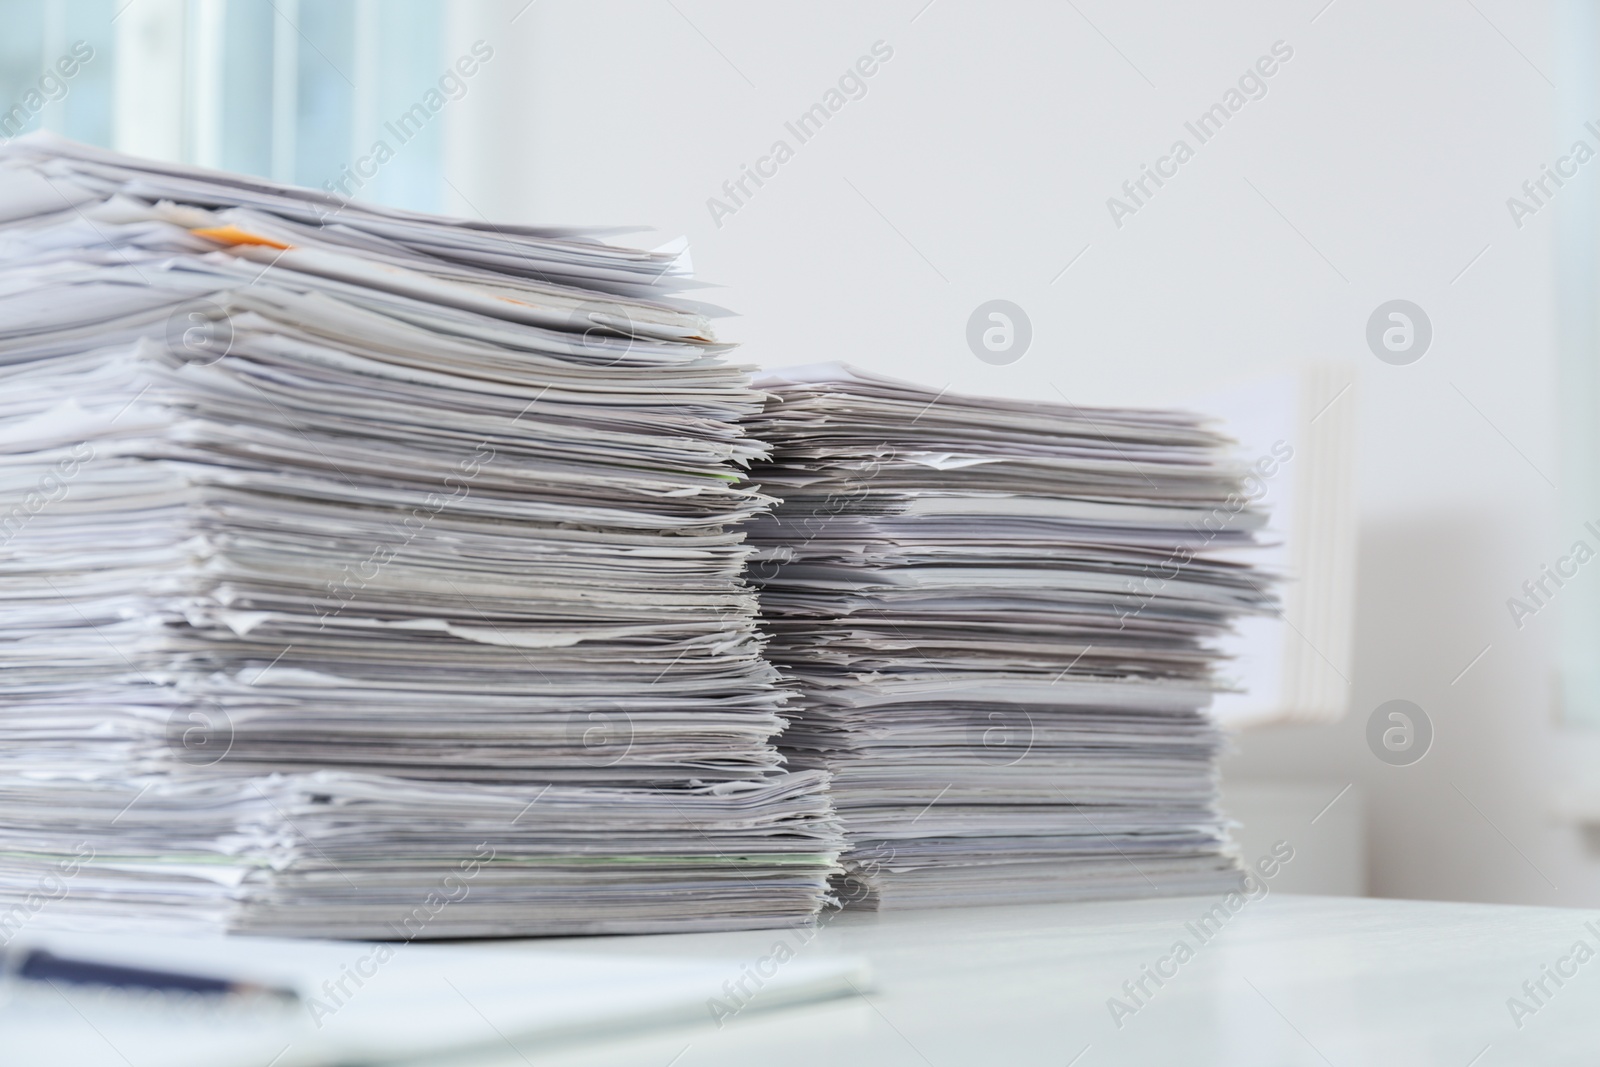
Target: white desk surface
{"type": "Point", "coordinates": [1288, 980]}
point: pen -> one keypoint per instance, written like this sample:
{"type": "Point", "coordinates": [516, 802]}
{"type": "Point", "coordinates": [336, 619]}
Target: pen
{"type": "Point", "coordinates": [41, 965]}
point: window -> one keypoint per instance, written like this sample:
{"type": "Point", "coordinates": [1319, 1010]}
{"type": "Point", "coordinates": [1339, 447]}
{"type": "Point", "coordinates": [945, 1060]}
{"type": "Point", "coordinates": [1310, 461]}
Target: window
{"type": "Point", "coordinates": [295, 90]}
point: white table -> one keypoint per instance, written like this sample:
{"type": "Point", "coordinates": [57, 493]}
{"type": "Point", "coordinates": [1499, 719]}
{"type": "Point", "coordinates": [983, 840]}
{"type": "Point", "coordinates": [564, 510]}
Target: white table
{"type": "Point", "coordinates": [1286, 980]}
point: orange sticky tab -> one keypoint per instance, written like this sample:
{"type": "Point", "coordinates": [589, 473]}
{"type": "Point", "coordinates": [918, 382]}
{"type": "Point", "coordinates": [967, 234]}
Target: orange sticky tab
{"type": "Point", "coordinates": [232, 235]}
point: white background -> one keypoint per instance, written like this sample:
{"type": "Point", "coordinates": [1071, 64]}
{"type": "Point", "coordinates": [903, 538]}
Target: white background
{"type": "Point", "coordinates": [979, 164]}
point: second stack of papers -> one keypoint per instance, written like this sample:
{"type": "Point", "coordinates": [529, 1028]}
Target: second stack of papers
{"type": "Point", "coordinates": [1001, 617]}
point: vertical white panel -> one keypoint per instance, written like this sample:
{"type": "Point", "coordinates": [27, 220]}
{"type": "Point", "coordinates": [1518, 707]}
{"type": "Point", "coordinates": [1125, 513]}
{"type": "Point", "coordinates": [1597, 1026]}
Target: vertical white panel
{"type": "Point", "coordinates": [148, 116]}
{"type": "Point", "coordinates": [53, 45]}
{"type": "Point", "coordinates": [285, 88]}
{"type": "Point", "coordinates": [207, 47]}
{"type": "Point", "coordinates": [244, 73]}
{"type": "Point", "coordinates": [488, 145]}
{"type": "Point", "coordinates": [364, 127]}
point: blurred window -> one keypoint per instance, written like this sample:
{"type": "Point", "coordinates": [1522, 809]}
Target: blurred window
{"type": "Point", "coordinates": [295, 90]}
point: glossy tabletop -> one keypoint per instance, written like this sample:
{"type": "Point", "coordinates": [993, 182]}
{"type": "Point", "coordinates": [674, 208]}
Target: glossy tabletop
{"type": "Point", "coordinates": [1281, 980]}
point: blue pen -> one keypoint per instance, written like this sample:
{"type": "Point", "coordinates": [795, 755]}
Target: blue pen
{"type": "Point", "coordinates": [41, 965]}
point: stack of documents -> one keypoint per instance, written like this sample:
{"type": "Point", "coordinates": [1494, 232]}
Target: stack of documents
{"type": "Point", "coordinates": [1002, 618]}
{"type": "Point", "coordinates": [355, 560]}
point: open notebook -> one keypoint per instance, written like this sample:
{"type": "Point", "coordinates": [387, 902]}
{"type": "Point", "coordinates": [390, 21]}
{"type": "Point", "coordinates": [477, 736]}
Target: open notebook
{"type": "Point", "coordinates": [372, 1003]}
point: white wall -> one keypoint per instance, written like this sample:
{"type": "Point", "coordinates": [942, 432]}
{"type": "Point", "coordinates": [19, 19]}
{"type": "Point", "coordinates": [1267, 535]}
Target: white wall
{"type": "Point", "coordinates": [979, 164]}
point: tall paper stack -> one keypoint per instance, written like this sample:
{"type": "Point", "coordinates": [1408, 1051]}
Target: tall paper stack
{"type": "Point", "coordinates": [1002, 620]}
{"type": "Point", "coordinates": [369, 574]}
